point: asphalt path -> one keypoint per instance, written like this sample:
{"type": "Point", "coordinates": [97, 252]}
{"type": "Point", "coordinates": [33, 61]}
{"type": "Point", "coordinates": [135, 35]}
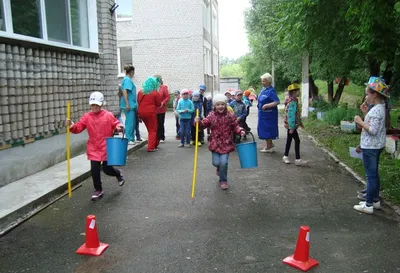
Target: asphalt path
{"type": "Point", "coordinates": [152, 224]}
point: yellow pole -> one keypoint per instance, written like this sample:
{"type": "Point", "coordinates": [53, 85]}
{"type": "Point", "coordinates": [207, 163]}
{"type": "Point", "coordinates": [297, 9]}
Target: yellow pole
{"type": "Point", "coordinates": [195, 155]}
{"type": "Point", "coordinates": [68, 140]}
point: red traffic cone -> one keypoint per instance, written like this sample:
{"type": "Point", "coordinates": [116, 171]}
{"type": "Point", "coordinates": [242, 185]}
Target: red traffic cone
{"type": "Point", "coordinates": [300, 259]}
{"type": "Point", "coordinates": [92, 246]}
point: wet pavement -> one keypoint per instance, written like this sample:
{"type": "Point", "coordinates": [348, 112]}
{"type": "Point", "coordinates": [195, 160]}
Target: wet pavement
{"type": "Point", "coordinates": [152, 224]}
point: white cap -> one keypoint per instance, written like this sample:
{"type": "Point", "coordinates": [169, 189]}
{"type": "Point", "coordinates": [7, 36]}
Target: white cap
{"type": "Point", "coordinates": [96, 98]}
{"type": "Point", "coordinates": [219, 98]}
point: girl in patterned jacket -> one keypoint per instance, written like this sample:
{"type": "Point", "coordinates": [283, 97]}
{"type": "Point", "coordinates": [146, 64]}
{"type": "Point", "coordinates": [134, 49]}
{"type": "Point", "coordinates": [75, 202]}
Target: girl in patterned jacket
{"type": "Point", "coordinates": [223, 125]}
{"type": "Point", "coordinates": [292, 123]}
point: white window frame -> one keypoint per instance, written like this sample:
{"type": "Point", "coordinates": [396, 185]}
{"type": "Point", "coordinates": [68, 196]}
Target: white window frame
{"type": "Point", "coordinates": [122, 19]}
{"type": "Point", "coordinates": [92, 25]}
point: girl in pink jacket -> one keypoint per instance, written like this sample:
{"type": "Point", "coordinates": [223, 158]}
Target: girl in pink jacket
{"type": "Point", "coordinates": [100, 124]}
{"type": "Point", "coordinates": [222, 124]}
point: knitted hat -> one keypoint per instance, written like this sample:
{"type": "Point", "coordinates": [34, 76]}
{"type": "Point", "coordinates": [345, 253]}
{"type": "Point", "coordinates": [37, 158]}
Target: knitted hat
{"type": "Point", "coordinates": [203, 87]}
{"type": "Point", "coordinates": [247, 93]}
{"type": "Point", "coordinates": [176, 92]}
{"type": "Point", "coordinates": [219, 98]}
{"type": "Point", "coordinates": [196, 94]}
{"type": "Point", "coordinates": [239, 92]}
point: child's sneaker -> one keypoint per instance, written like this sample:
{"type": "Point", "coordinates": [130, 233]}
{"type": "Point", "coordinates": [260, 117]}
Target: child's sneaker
{"type": "Point", "coordinates": [362, 207]}
{"type": "Point", "coordinates": [375, 205]}
{"type": "Point", "coordinates": [97, 195]}
{"type": "Point", "coordinates": [301, 162]}
{"type": "Point", "coordinates": [139, 140]}
{"type": "Point", "coordinates": [286, 160]}
{"type": "Point", "coordinates": [180, 145]}
{"type": "Point", "coordinates": [192, 142]}
{"type": "Point", "coordinates": [362, 196]}
{"type": "Point", "coordinates": [188, 146]}
{"type": "Point", "coordinates": [121, 180]}
{"type": "Point", "coordinates": [199, 144]}
{"type": "Point", "coordinates": [224, 185]}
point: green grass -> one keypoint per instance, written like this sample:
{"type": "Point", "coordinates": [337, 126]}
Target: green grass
{"type": "Point", "coordinates": [352, 94]}
{"type": "Point", "coordinates": [339, 142]}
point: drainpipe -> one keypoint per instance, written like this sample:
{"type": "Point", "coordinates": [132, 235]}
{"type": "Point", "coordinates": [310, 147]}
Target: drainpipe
{"type": "Point", "coordinates": [212, 47]}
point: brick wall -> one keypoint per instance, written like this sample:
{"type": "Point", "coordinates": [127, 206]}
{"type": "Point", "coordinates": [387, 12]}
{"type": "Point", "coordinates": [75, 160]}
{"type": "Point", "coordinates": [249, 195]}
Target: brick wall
{"type": "Point", "coordinates": [35, 83]}
{"type": "Point", "coordinates": [166, 39]}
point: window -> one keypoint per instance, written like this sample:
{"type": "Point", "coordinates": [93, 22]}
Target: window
{"type": "Point", "coordinates": [79, 23]}
{"type": "Point", "coordinates": [2, 22]}
{"type": "Point", "coordinates": [124, 11]}
{"type": "Point", "coordinates": [63, 23]}
{"type": "Point", "coordinates": [124, 58]}
{"type": "Point", "coordinates": [27, 21]}
{"type": "Point", "coordinates": [206, 18]}
{"type": "Point", "coordinates": [57, 21]}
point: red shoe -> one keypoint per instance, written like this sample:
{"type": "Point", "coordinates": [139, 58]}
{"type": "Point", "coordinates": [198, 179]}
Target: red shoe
{"type": "Point", "coordinates": [224, 185]}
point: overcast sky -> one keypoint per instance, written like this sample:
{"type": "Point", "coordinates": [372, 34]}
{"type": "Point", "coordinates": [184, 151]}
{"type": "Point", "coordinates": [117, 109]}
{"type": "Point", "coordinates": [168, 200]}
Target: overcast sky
{"type": "Point", "coordinates": [232, 33]}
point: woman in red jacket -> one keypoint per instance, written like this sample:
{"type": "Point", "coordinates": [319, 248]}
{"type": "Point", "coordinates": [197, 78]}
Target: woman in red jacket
{"type": "Point", "coordinates": [149, 100]}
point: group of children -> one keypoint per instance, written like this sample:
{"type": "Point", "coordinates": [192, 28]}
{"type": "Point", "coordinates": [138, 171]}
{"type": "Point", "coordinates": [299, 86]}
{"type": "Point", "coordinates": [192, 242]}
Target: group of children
{"type": "Point", "coordinates": [187, 103]}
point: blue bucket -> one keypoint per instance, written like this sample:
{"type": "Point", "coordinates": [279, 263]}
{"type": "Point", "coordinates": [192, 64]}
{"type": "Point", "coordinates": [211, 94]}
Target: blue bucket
{"type": "Point", "coordinates": [116, 151]}
{"type": "Point", "coordinates": [248, 154]}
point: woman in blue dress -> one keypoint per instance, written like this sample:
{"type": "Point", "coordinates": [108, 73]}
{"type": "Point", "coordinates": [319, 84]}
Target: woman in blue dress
{"type": "Point", "coordinates": [267, 127]}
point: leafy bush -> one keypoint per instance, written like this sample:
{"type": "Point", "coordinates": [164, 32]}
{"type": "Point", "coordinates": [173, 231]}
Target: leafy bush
{"type": "Point", "coordinates": [321, 105]}
{"type": "Point", "coordinates": [335, 115]}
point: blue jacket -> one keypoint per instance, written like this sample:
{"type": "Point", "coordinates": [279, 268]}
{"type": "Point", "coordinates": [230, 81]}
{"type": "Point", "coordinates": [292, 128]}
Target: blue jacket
{"type": "Point", "coordinates": [197, 105]}
{"type": "Point", "coordinates": [184, 104]}
{"type": "Point", "coordinates": [239, 108]}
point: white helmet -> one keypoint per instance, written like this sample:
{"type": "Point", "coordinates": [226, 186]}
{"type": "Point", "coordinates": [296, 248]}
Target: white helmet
{"type": "Point", "coordinates": [96, 98]}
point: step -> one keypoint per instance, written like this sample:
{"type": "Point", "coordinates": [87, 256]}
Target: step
{"type": "Point", "coordinates": [21, 199]}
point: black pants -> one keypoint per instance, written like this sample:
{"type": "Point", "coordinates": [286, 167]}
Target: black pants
{"type": "Point", "coordinates": [161, 129]}
{"type": "Point", "coordinates": [193, 133]}
{"type": "Point", "coordinates": [296, 138]}
{"type": "Point", "coordinates": [95, 170]}
{"type": "Point", "coordinates": [177, 126]}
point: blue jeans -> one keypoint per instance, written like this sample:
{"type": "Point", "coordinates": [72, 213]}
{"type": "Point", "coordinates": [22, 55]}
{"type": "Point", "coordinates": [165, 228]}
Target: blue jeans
{"type": "Point", "coordinates": [371, 164]}
{"type": "Point", "coordinates": [220, 161]}
{"type": "Point", "coordinates": [185, 127]}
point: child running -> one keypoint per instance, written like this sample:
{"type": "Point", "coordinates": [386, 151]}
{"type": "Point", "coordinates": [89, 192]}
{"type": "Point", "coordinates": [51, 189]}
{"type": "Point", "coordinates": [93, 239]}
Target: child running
{"type": "Point", "coordinates": [185, 109]}
{"type": "Point", "coordinates": [100, 124]}
{"type": "Point", "coordinates": [292, 123]}
{"type": "Point", "coordinates": [223, 125]}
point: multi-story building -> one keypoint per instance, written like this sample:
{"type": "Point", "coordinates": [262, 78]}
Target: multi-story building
{"type": "Point", "coordinates": [177, 39]}
{"type": "Point", "coordinates": [52, 51]}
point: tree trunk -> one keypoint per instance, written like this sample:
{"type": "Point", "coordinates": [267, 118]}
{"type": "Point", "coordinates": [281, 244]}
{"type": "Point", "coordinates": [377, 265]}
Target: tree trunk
{"type": "Point", "coordinates": [374, 67]}
{"type": "Point", "coordinates": [339, 90]}
{"type": "Point", "coordinates": [313, 87]}
{"type": "Point", "coordinates": [330, 91]}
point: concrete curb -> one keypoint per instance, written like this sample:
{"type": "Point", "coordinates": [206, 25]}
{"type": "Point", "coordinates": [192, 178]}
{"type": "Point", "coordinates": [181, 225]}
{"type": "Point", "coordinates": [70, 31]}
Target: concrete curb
{"type": "Point", "coordinates": [14, 219]}
{"type": "Point", "coordinates": [396, 208]}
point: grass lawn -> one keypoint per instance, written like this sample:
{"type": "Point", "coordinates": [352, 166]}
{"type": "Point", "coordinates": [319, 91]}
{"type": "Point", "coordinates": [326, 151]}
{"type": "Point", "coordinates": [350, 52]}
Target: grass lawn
{"type": "Point", "coordinates": [339, 142]}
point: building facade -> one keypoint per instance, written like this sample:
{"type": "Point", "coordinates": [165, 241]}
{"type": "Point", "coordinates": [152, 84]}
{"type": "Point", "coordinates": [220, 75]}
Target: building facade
{"type": "Point", "coordinates": [177, 39]}
{"type": "Point", "coordinates": [52, 52]}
